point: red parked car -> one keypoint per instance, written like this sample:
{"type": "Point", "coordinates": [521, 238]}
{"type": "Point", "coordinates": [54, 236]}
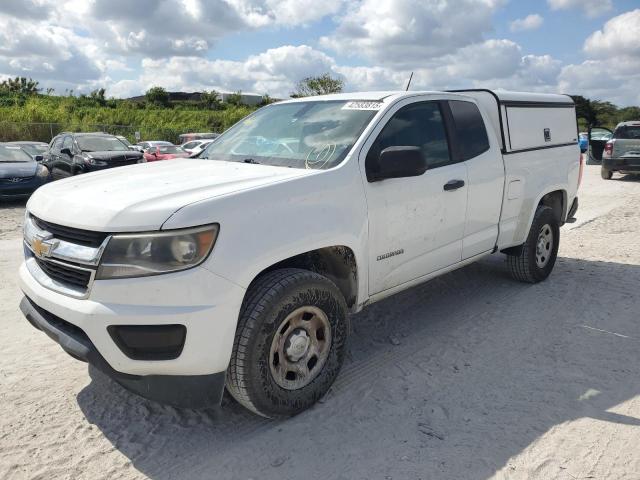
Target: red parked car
{"type": "Point", "coordinates": [165, 152]}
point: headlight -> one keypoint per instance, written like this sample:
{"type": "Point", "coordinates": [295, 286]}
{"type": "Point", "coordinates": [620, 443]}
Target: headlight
{"type": "Point", "coordinates": [42, 171]}
{"type": "Point", "coordinates": [139, 255]}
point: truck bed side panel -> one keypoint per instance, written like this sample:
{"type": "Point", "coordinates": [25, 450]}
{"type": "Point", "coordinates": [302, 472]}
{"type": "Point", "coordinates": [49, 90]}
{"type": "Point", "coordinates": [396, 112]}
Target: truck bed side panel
{"type": "Point", "coordinates": [529, 176]}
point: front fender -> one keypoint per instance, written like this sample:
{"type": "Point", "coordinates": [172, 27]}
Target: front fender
{"type": "Point", "coordinates": [266, 225]}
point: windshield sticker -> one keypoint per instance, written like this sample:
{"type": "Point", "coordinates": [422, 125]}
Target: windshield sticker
{"type": "Point", "coordinates": [362, 105]}
{"type": "Point", "coordinates": [13, 148]}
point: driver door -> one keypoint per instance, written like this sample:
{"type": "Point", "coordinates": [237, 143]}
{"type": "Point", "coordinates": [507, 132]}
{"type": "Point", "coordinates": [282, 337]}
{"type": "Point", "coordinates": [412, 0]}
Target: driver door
{"type": "Point", "coordinates": [416, 224]}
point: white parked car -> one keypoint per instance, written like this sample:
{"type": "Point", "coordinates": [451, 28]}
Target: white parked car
{"type": "Point", "coordinates": [241, 269]}
{"type": "Point", "coordinates": [195, 147]}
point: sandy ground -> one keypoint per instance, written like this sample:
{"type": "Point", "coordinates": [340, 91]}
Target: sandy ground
{"type": "Point", "coordinates": [470, 376]}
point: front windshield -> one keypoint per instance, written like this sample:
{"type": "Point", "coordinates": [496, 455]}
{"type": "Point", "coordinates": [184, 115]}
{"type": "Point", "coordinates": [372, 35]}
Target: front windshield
{"type": "Point", "coordinates": [35, 148]}
{"type": "Point", "coordinates": [310, 134]}
{"type": "Point", "coordinates": [13, 154]}
{"type": "Point", "coordinates": [100, 144]}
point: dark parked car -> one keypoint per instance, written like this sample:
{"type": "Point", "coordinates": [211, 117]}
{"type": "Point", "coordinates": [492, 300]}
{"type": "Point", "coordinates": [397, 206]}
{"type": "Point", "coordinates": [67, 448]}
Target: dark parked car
{"type": "Point", "coordinates": [35, 149]}
{"type": "Point", "coordinates": [73, 153]}
{"type": "Point", "coordinates": [622, 152]}
{"type": "Point", "coordinates": [20, 174]}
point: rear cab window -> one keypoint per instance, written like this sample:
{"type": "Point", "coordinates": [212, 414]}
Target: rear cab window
{"type": "Point", "coordinates": [627, 132]}
{"type": "Point", "coordinates": [470, 130]}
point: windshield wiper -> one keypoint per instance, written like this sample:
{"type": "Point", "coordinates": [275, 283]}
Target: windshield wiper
{"type": "Point", "coordinates": [251, 160]}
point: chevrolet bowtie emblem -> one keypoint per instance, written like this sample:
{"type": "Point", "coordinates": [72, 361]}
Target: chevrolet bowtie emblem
{"type": "Point", "coordinates": [41, 247]}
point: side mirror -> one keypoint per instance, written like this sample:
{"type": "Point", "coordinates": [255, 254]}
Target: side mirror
{"type": "Point", "coordinates": [397, 162]}
{"type": "Point", "coordinates": [38, 158]}
{"type": "Point", "coordinates": [66, 151]}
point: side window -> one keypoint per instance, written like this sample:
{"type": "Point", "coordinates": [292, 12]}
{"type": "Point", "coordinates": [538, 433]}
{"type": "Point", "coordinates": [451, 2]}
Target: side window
{"type": "Point", "coordinates": [68, 143]}
{"type": "Point", "coordinates": [56, 145]}
{"type": "Point", "coordinates": [416, 125]}
{"type": "Point", "coordinates": [471, 133]}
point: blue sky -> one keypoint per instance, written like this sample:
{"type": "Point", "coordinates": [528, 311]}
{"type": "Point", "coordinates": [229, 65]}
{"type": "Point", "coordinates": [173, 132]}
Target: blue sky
{"type": "Point", "coordinates": [587, 47]}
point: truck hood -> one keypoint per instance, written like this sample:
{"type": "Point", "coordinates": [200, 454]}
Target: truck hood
{"type": "Point", "coordinates": [142, 197]}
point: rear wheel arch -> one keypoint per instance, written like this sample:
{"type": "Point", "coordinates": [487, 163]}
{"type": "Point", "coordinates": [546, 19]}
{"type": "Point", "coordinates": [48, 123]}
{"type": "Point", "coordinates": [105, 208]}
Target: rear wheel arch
{"type": "Point", "coordinates": [557, 201]}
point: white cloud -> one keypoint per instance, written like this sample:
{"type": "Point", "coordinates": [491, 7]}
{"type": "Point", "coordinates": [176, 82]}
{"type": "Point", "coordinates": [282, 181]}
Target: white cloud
{"type": "Point", "coordinates": [619, 36]}
{"type": "Point", "coordinates": [259, 13]}
{"type": "Point", "coordinates": [530, 22]}
{"type": "Point", "coordinates": [614, 80]}
{"type": "Point", "coordinates": [491, 63]}
{"type": "Point", "coordinates": [408, 32]}
{"type": "Point", "coordinates": [612, 71]}
{"type": "Point", "coordinates": [49, 52]}
{"type": "Point", "coordinates": [128, 46]}
{"type": "Point", "coordinates": [592, 8]}
{"type": "Point", "coordinates": [274, 71]}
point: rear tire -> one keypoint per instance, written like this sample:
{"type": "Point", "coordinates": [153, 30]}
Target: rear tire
{"type": "Point", "coordinates": [537, 257]}
{"type": "Point", "coordinates": [605, 173]}
{"type": "Point", "coordinates": [289, 344]}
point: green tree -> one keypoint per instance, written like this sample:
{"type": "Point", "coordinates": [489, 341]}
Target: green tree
{"type": "Point", "coordinates": [606, 113]}
{"type": "Point", "coordinates": [235, 98]}
{"type": "Point", "coordinates": [629, 113]}
{"type": "Point", "coordinates": [266, 100]}
{"type": "Point", "coordinates": [23, 85]}
{"type": "Point", "coordinates": [210, 99]}
{"type": "Point", "coordinates": [585, 110]}
{"type": "Point", "coordinates": [320, 85]}
{"type": "Point", "coordinates": [157, 96]}
{"type": "Point", "coordinates": [98, 94]}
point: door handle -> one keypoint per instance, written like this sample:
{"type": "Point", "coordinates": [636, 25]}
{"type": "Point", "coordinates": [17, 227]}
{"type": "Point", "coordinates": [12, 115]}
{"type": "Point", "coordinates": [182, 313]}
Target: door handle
{"type": "Point", "coordinates": [453, 185]}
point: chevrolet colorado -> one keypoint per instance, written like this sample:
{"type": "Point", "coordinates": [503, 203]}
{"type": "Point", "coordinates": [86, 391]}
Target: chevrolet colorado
{"type": "Point", "coordinates": [240, 268]}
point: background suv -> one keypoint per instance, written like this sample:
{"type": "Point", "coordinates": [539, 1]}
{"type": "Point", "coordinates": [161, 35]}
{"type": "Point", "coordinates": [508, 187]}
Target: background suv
{"type": "Point", "coordinates": [73, 153]}
{"type": "Point", "coordinates": [622, 152]}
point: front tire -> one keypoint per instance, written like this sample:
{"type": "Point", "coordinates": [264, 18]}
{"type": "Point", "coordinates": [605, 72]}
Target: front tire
{"type": "Point", "coordinates": [537, 257]}
{"type": "Point", "coordinates": [289, 344]}
{"type": "Point", "coordinates": [605, 173]}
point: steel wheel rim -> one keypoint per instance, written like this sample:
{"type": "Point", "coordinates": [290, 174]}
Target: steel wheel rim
{"type": "Point", "coordinates": [300, 347]}
{"type": "Point", "coordinates": [544, 245]}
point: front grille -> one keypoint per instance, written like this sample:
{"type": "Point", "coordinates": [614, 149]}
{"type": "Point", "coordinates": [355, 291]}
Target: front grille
{"type": "Point", "coordinates": [65, 274]}
{"type": "Point", "coordinates": [14, 180]}
{"type": "Point", "coordinates": [87, 238]}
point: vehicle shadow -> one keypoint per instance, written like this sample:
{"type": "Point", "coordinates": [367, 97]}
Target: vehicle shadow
{"type": "Point", "coordinates": [447, 380]}
{"type": "Point", "coordinates": [627, 177]}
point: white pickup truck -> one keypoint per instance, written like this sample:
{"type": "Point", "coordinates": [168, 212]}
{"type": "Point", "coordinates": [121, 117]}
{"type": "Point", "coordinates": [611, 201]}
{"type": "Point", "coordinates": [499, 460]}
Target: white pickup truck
{"type": "Point", "coordinates": [240, 268]}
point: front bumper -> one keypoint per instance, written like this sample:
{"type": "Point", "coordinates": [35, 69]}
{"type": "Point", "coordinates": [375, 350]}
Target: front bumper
{"type": "Point", "coordinates": [20, 190]}
{"type": "Point", "coordinates": [206, 304]}
{"type": "Point", "coordinates": [194, 391]}
{"type": "Point", "coordinates": [630, 164]}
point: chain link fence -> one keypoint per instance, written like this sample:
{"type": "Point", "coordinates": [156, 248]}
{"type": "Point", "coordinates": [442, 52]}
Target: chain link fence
{"type": "Point", "coordinates": [44, 132]}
